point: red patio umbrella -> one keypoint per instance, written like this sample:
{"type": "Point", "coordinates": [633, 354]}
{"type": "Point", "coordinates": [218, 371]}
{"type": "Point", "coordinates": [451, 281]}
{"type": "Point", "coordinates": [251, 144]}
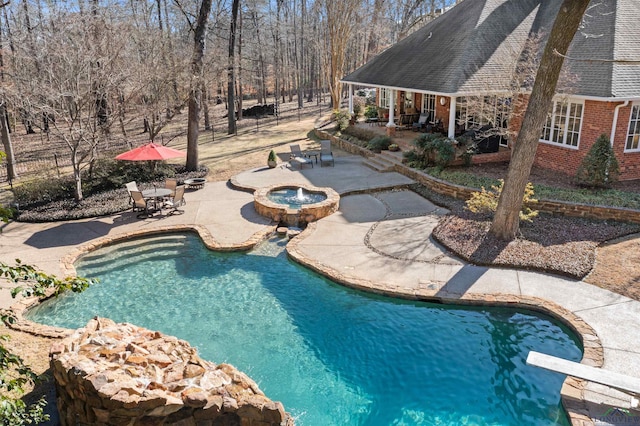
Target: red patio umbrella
{"type": "Point", "coordinates": [150, 151]}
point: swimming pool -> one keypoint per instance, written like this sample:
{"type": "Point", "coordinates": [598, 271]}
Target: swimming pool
{"type": "Point", "coordinates": [332, 355]}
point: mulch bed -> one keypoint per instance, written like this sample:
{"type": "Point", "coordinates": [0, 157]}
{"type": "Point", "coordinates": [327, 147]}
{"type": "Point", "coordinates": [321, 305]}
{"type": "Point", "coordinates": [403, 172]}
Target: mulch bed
{"type": "Point", "coordinates": [558, 245]}
{"type": "Point", "coordinates": [554, 244]}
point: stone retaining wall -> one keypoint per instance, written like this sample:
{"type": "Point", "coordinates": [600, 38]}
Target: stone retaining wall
{"type": "Point", "coordinates": [120, 374]}
{"type": "Point", "coordinates": [281, 213]}
{"type": "Point", "coordinates": [463, 192]}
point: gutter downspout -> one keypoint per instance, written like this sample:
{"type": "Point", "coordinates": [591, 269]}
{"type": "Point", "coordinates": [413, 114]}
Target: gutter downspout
{"type": "Point", "coordinates": [615, 120]}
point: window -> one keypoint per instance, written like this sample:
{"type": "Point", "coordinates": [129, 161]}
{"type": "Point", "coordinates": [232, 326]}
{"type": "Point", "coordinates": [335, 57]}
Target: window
{"type": "Point", "coordinates": [429, 106]}
{"type": "Point", "coordinates": [408, 100]}
{"type": "Point", "coordinates": [563, 124]}
{"type": "Point", "coordinates": [385, 94]}
{"type": "Point", "coordinates": [633, 138]}
{"type": "Point", "coordinates": [474, 112]}
{"type": "Point", "coordinates": [462, 117]}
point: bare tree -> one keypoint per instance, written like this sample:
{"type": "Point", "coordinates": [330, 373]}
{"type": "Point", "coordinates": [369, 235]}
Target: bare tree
{"type": "Point", "coordinates": [231, 70]}
{"type": "Point", "coordinates": [506, 221]}
{"type": "Point", "coordinates": [339, 20]}
{"type": "Point", "coordinates": [195, 87]}
{"type": "Point", "coordinates": [65, 88]}
{"type": "Point", "coordinates": [4, 124]}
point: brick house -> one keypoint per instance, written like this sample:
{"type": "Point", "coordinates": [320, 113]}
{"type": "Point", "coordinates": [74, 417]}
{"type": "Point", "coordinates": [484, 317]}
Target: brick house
{"type": "Point", "coordinates": [461, 55]}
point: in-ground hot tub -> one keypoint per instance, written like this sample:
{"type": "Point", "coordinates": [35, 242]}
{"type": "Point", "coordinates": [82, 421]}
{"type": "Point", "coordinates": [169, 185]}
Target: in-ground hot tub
{"type": "Point", "coordinates": [295, 204]}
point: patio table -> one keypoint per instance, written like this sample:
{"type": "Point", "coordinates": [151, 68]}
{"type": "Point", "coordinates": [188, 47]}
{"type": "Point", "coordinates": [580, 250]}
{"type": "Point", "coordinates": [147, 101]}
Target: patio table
{"type": "Point", "coordinates": [156, 194]}
{"type": "Point", "coordinates": [313, 154]}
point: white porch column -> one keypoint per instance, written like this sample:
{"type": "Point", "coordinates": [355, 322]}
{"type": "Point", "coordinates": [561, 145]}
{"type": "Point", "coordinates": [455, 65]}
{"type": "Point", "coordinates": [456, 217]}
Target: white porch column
{"type": "Point", "coordinates": [351, 99]}
{"type": "Point", "coordinates": [392, 107]}
{"type": "Point", "coordinates": [452, 117]}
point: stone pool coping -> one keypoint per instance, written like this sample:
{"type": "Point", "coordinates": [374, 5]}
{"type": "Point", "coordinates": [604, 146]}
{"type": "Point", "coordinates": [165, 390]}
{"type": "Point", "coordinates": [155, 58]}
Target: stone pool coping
{"type": "Point", "coordinates": [572, 388]}
{"type": "Point", "coordinates": [67, 265]}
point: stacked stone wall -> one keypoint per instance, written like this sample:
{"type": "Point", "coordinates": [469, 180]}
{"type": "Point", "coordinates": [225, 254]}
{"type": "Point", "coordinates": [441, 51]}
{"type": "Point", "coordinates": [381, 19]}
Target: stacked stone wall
{"type": "Point", "coordinates": [549, 206]}
{"type": "Point", "coordinates": [120, 374]}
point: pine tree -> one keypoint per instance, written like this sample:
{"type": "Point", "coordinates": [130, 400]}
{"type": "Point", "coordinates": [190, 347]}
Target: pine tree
{"type": "Point", "coordinates": [599, 168]}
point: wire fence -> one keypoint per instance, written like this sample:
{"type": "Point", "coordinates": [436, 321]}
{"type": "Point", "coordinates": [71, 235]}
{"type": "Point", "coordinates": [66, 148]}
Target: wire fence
{"type": "Point", "coordinates": [44, 164]}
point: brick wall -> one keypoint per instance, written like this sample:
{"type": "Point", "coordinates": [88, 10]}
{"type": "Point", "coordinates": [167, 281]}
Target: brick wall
{"type": "Point", "coordinates": [629, 162]}
{"type": "Point", "coordinates": [597, 119]}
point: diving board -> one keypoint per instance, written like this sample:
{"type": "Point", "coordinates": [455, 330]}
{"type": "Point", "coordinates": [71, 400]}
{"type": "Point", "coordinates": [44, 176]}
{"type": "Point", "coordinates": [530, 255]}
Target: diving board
{"type": "Point", "coordinates": [598, 375]}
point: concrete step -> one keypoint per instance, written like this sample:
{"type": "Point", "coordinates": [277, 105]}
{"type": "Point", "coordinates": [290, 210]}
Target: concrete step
{"type": "Point", "coordinates": [379, 163]}
{"type": "Point", "coordinates": [392, 156]}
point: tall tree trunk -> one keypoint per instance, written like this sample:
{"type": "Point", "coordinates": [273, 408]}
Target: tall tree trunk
{"type": "Point", "coordinates": [205, 107]}
{"type": "Point", "coordinates": [239, 80]}
{"type": "Point", "coordinates": [77, 176]}
{"type": "Point", "coordinates": [195, 94]}
{"type": "Point", "coordinates": [372, 45]}
{"type": "Point", "coordinates": [277, 64]}
{"type": "Point", "coordinates": [231, 70]}
{"type": "Point", "coordinates": [262, 87]}
{"type": "Point", "coordinates": [300, 55]}
{"type": "Point", "coordinates": [102, 105]}
{"type": "Point", "coordinates": [172, 61]}
{"type": "Point", "coordinates": [506, 221]}
{"type": "Point", "coordinates": [12, 46]}
{"type": "Point", "coordinates": [6, 143]}
{"type": "Point", "coordinates": [339, 26]}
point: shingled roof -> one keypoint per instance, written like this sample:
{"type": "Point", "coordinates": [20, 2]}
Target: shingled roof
{"type": "Point", "coordinates": [463, 51]}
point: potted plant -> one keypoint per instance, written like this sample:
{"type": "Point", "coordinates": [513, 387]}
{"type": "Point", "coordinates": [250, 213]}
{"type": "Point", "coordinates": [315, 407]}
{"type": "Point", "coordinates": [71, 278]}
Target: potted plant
{"type": "Point", "coordinates": [394, 147]}
{"type": "Point", "coordinates": [272, 159]}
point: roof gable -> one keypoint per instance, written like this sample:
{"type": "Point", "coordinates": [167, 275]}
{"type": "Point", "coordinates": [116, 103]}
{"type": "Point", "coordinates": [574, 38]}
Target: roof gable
{"type": "Point", "coordinates": [472, 48]}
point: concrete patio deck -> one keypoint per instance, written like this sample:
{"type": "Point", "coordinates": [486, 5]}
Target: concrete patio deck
{"type": "Point", "coordinates": [380, 241]}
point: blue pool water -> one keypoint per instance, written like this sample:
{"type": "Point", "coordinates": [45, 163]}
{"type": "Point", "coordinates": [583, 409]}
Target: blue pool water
{"type": "Point", "coordinates": [332, 355]}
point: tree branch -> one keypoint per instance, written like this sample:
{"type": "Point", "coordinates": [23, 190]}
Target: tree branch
{"type": "Point", "coordinates": [186, 15]}
{"type": "Point", "coordinates": [613, 61]}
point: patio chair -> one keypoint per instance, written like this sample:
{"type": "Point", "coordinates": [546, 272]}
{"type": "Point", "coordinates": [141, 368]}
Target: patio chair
{"type": "Point", "coordinates": [177, 201]}
{"type": "Point", "coordinates": [326, 156]}
{"type": "Point", "coordinates": [131, 186]}
{"type": "Point", "coordinates": [421, 123]}
{"type": "Point", "coordinates": [141, 204]}
{"type": "Point", "coordinates": [297, 158]}
{"type": "Point", "coordinates": [171, 183]}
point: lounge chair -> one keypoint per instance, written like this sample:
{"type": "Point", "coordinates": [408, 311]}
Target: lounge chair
{"type": "Point", "coordinates": [421, 123]}
{"type": "Point", "coordinates": [131, 186]}
{"type": "Point", "coordinates": [297, 157]}
{"type": "Point", "coordinates": [171, 183]}
{"type": "Point", "coordinates": [326, 156]}
{"type": "Point", "coordinates": [141, 204]}
{"type": "Point", "coordinates": [177, 200]}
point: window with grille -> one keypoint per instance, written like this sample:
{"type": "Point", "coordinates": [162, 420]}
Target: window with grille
{"type": "Point", "coordinates": [563, 124]}
{"type": "Point", "coordinates": [475, 112]}
{"type": "Point", "coordinates": [385, 95]}
{"type": "Point", "coordinates": [408, 100]}
{"type": "Point", "coordinates": [633, 136]}
{"type": "Point", "coordinates": [429, 106]}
